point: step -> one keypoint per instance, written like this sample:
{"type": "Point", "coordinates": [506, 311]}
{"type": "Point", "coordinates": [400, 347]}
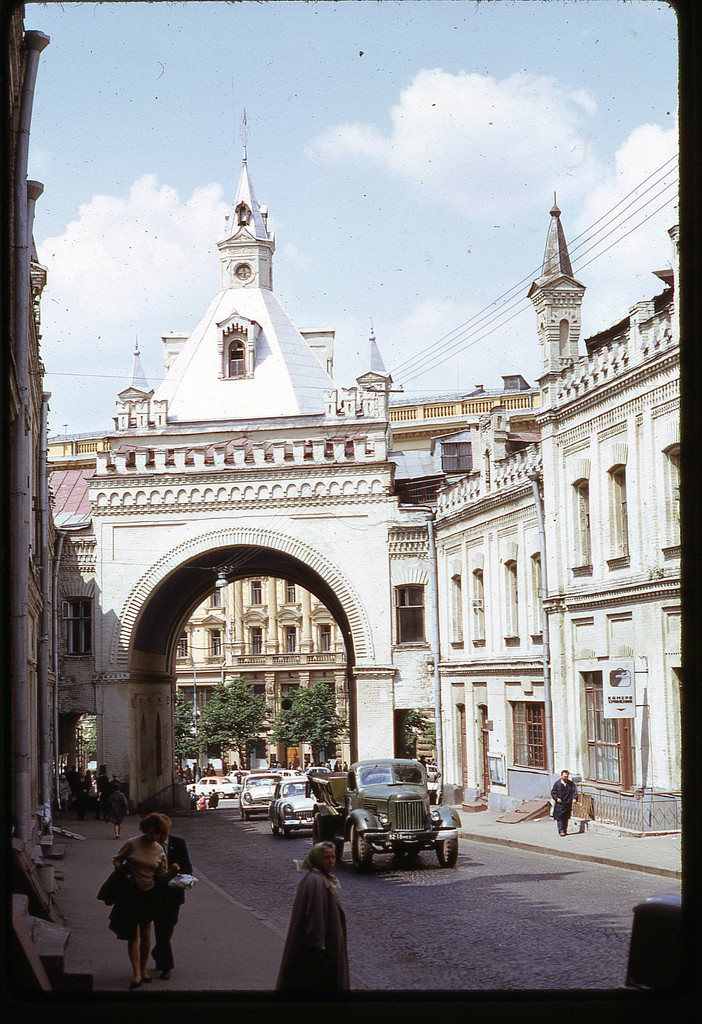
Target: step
{"type": "Point", "coordinates": [57, 852]}
{"type": "Point", "coordinates": [475, 806]}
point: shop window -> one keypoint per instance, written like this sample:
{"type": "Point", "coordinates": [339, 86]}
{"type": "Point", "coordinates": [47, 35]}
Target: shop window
{"type": "Point", "coordinates": [409, 610]}
{"type": "Point", "coordinates": [79, 626]}
{"type": "Point", "coordinates": [608, 739]}
{"type": "Point", "coordinates": [529, 734]}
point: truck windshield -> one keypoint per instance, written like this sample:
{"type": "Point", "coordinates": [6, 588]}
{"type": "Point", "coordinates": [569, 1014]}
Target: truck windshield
{"type": "Point", "coordinates": [386, 774]}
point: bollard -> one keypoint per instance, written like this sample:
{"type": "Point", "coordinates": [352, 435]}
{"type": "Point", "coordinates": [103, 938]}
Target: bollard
{"type": "Point", "coordinates": [655, 945]}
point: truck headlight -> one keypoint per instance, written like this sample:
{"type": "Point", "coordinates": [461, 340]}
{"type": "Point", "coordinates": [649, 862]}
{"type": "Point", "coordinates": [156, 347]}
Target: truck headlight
{"type": "Point", "coordinates": [436, 817]}
{"type": "Point", "coordinates": [384, 820]}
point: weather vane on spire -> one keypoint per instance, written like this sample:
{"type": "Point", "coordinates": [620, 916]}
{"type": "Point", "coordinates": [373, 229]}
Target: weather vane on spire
{"type": "Point", "coordinates": [245, 132]}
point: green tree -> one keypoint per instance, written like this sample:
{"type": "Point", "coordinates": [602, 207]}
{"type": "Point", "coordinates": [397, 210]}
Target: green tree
{"type": "Point", "coordinates": [233, 716]}
{"type": "Point", "coordinates": [186, 744]}
{"type": "Point", "coordinates": [417, 724]}
{"type": "Point", "coordinates": [312, 719]}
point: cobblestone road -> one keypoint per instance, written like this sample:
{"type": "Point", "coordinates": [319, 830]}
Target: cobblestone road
{"type": "Point", "coordinates": [502, 919]}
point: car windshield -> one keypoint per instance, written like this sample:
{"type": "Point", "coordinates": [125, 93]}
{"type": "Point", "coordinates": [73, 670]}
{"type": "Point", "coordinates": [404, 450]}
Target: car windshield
{"type": "Point", "coordinates": [294, 789]}
{"type": "Point", "coordinates": [258, 783]}
{"type": "Point", "coordinates": [390, 774]}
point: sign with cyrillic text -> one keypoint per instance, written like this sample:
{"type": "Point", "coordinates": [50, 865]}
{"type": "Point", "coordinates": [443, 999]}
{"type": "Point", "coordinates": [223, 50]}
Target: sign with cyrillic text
{"type": "Point", "coordinates": [618, 690]}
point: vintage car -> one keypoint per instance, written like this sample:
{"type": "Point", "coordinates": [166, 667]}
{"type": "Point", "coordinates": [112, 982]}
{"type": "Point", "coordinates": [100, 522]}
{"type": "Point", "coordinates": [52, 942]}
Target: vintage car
{"type": "Point", "coordinates": [223, 785]}
{"type": "Point", "coordinates": [291, 809]}
{"type": "Point", "coordinates": [257, 792]}
{"type": "Point", "coordinates": [383, 806]}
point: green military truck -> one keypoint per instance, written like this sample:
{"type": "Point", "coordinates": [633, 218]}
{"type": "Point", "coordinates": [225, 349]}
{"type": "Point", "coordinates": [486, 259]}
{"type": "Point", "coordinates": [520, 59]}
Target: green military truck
{"type": "Point", "coordinates": [383, 806]}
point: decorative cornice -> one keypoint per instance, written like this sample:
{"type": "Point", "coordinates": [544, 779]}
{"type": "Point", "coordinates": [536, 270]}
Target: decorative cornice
{"type": "Point", "coordinates": [655, 590]}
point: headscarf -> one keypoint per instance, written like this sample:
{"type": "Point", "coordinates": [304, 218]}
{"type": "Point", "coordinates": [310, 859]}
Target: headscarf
{"type": "Point", "coordinates": [314, 860]}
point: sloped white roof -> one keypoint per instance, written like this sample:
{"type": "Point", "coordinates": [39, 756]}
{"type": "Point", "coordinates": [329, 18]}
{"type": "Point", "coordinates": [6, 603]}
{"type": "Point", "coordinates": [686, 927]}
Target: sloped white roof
{"type": "Point", "coordinates": [288, 380]}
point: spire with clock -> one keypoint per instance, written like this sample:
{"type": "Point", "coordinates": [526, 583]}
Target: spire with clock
{"type": "Point", "coordinates": [246, 246]}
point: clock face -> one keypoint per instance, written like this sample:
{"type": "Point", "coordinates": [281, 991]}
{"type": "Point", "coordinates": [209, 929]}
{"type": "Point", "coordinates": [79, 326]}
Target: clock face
{"type": "Point", "coordinates": [243, 272]}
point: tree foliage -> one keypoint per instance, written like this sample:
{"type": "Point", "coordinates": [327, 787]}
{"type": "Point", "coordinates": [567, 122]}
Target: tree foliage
{"type": "Point", "coordinates": [233, 716]}
{"type": "Point", "coordinates": [186, 745]}
{"type": "Point", "coordinates": [312, 719]}
{"type": "Point", "coordinates": [417, 724]}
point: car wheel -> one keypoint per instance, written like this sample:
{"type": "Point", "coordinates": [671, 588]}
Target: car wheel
{"type": "Point", "coordinates": [361, 852]}
{"type": "Point", "coordinates": [447, 852]}
{"type": "Point", "coordinates": [274, 829]}
{"type": "Point", "coordinates": [286, 832]}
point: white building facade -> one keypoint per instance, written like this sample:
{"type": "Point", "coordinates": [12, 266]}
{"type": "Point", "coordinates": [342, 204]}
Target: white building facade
{"type": "Point", "coordinates": [597, 690]}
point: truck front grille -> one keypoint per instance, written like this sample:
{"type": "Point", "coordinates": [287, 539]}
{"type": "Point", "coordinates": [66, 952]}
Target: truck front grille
{"type": "Point", "coordinates": [409, 815]}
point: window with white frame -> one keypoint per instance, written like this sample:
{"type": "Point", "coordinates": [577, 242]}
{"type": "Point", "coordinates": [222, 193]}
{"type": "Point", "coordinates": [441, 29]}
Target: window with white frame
{"type": "Point", "coordinates": [618, 511]}
{"type": "Point", "coordinates": [409, 614]}
{"type": "Point", "coordinates": [237, 359]}
{"type": "Point", "coordinates": [290, 593]}
{"type": "Point", "coordinates": [536, 594]}
{"type": "Point", "coordinates": [216, 643]}
{"type": "Point", "coordinates": [325, 637]}
{"type": "Point", "coordinates": [456, 609]}
{"type": "Point", "coordinates": [581, 517]}
{"type": "Point", "coordinates": [511, 599]}
{"type": "Point", "coordinates": [256, 639]}
{"type": "Point", "coordinates": [290, 636]}
{"type": "Point", "coordinates": [672, 490]}
{"type": "Point", "coordinates": [256, 592]}
{"type": "Point", "coordinates": [216, 598]}
{"type": "Point", "coordinates": [79, 626]}
{"type": "Point", "coordinates": [478, 606]}
{"type": "Point", "coordinates": [529, 734]}
{"type": "Point", "coordinates": [182, 651]}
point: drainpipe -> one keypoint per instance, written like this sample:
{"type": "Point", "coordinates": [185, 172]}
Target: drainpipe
{"type": "Point", "coordinates": [43, 710]}
{"type": "Point", "coordinates": [60, 538]}
{"type": "Point", "coordinates": [20, 511]}
{"type": "Point", "coordinates": [535, 479]}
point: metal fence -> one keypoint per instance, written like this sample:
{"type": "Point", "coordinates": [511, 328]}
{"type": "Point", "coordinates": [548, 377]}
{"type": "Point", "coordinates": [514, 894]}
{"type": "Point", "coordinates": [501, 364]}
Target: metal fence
{"type": "Point", "coordinates": [641, 811]}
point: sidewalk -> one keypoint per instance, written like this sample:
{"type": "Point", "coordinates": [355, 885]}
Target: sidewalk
{"type": "Point", "coordinates": [218, 945]}
{"type": "Point", "coordinates": [656, 855]}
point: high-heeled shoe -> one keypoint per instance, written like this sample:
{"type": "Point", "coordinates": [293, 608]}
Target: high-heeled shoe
{"type": "Point", "coordinates": [134, 984]}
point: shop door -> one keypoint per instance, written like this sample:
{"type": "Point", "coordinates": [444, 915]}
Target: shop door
{"type": "Point", "coordinates": [484, 743]}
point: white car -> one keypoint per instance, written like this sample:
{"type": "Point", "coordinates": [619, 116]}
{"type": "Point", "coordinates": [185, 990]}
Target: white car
{"type": "Point", "coordinates": [291, 810]}
{"type": "Point", "coordinates": [257, 792]}
{"type": "Point", "coordinates": [220, 784]}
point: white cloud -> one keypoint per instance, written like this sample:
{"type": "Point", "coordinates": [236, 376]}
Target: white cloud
{"type": "Point", "coordinates": [485, 146]}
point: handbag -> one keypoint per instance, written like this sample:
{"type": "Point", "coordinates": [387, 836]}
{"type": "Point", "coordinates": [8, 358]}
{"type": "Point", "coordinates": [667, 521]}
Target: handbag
{"type": "Point", "coordinates": [114, 885]}
{"type": "Point", "coordinates": [181, 881]}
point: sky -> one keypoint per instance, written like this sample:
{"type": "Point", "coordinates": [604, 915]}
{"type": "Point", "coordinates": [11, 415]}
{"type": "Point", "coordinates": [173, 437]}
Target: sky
{"type": "Point", "coordinates": [408, 152]}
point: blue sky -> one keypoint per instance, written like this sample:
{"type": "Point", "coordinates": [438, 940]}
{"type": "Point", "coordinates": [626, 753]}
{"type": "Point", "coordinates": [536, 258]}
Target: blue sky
{"type": "Point", "coordinates": [408, 152]}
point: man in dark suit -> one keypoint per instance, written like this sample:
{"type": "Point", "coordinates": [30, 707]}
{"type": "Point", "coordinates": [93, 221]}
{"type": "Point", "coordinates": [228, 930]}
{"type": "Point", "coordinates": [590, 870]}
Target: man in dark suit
{"type": "Point", "coordinates": [169, 900]}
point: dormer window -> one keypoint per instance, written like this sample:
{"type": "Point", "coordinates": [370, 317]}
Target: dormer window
{"type": "Point", "coordinates": [237, 359]}
{"type": "Point", "coordinates": [243, 214]}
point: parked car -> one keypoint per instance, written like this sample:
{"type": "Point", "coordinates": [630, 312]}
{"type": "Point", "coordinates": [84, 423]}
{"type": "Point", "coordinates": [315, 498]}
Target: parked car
{"type": "Point", "coordinates": [383, 806]}
{"type": "Point", "coordinates": [257, 792]}
{"type": "Point", "coordinates": [222, 785]}
{"type": "Point", "coordinates": [291, 809]}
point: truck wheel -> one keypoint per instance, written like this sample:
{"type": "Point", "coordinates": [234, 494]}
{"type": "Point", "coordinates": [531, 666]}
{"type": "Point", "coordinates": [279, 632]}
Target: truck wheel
{"type": "Point", "coordinates": [317, 836]}
{"type": "Point", "coordinates": [339, 849]}
{"type": "Point", "coordinates": [447, 852]}
{"type": "Point", "coordinates": [361, 852]}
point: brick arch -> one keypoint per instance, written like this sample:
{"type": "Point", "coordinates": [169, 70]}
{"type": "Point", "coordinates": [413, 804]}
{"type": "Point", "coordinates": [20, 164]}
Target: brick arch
{"type": "Point", "coordinates": [245, 536]}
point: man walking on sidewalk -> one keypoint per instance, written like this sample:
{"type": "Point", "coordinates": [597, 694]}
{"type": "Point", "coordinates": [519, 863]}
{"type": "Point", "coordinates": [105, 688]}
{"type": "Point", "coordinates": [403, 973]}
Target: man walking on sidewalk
{"type": "Point", "coordinates": [563, 793]}
{"type": "Point", "coordinates": [169, 900]}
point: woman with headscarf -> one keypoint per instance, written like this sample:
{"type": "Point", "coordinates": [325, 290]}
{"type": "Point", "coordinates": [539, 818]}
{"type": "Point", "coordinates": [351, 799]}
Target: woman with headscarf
{"type": "Point", "coordinates": [315, 957]}
{"type": "Point", "coordinates": [144, 859]}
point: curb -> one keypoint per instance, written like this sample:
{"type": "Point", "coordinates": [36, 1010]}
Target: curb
{"type": "Point", "coordinates": [592, 858]}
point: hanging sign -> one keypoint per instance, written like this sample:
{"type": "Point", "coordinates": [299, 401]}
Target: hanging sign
{"type": "Point", "coordinates": [618, 689]}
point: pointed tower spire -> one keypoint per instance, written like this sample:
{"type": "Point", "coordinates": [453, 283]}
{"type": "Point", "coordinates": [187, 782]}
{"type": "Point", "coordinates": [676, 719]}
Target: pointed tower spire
{"type": "Point", "coordinates": [556, 257]}
{"type": "Point", "coordinates": [376, 360]}
{"type": "Point", "coordinates": [557, 298]}
{"type": "Point", "coordinates": [138, 375]}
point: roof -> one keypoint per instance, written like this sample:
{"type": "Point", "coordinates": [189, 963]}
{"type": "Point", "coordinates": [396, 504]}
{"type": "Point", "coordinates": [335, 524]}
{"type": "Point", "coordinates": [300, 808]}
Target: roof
{"type": "Point", "coordinates": [69, 497]}
{"type": "Point", "coordinates": [413, 465]}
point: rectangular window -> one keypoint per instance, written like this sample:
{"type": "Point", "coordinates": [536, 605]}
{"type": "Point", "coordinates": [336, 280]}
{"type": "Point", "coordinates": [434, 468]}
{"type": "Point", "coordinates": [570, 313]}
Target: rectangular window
{"type": "Point", "coordinates": [256, 592]}
{"type": "Point", "coordinates": [409, 609]}
{"type": "Point", "coordinates": [457, 457]}
{"type": "Point", "coordinates": [456, 609]}
{"type": "Point", "coordinates": [620, 524]}
{"type": "Point", "coordinates": [478, 607]}
{"type": "Point", "coordinates": [216, 598]}
{"type": "Point", "coordinates": [537, 604]}
{"type": "Point", "coordinates": [581, 491]}
{"type": "Point", "coordinates": [79, 634]}
{"type": "Point", "coordinates": [609, 750]}
{"type": "Point", "coordinates": [511, 599]}
{"type": "Point", "coordinates": [529, 731]}
{"type": "Point", "coordinates": [290, 593]}
{"type": "Point", "coordinates": [673, 490]}
{"type": "Point", "coordinates": [182, 651]}
{"type": "Point", "coordinates": [216, 643]}
{"type": "Point", "coordinates": [325, 637]}
{"type": "Point", "coordinates": [256, 639]}
{"type": "Point", "coordinates": [290, 639]}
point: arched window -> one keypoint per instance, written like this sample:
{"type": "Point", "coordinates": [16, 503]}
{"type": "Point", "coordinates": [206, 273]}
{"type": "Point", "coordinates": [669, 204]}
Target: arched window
{"type": "Point", "coordinates": [619, 513]}
{"type": "Point", "coordinates": [581, 517]}
{"type": "Point", "coordinates": [237, 359]}
{"type": "Point", "coordinates": [563, 338]}
{"type": "Point", "coordinates": [478, 607]}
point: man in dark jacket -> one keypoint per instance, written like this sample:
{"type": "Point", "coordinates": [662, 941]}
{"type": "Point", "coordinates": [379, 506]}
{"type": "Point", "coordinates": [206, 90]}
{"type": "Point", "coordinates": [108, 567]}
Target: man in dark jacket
{"type": "Point", "coordinates": [169, 900]}
{"type": "Point", "coordinates": [563, 793]}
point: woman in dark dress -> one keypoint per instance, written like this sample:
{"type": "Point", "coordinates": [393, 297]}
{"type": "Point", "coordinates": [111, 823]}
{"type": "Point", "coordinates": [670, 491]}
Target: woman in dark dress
{"type": "Point", "coordinates": [315, 958]}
